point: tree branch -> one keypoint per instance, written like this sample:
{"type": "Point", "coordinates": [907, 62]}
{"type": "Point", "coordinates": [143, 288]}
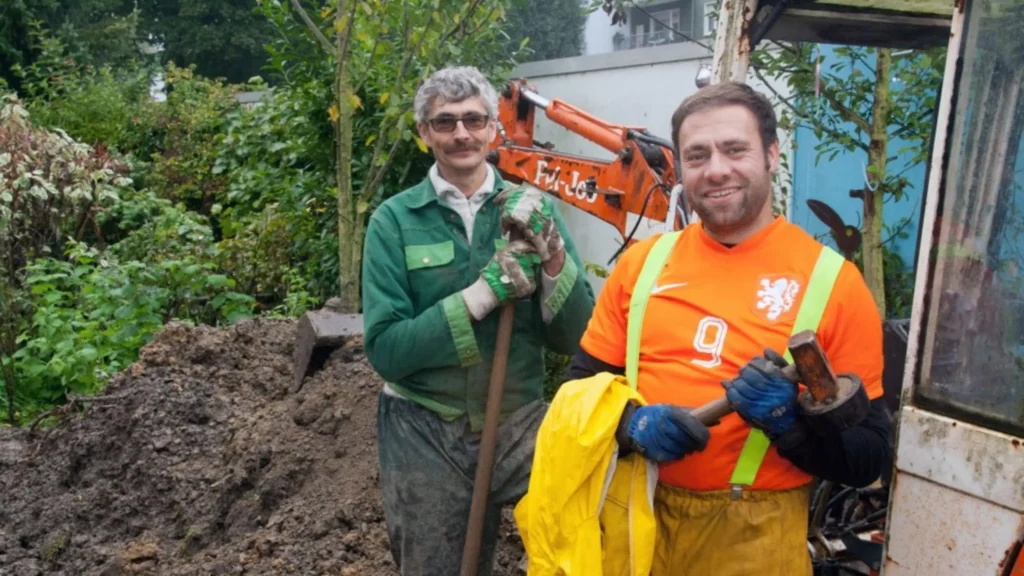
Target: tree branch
{"type": "Point", "coordinates": [469, 12]}
{"type": "Point", "coordinates": [369, 65]}
{"type": "Point", "coordinates": [343, 51]}
{"type": "Point", "coordinates": [801, 115]}
{"type": "Point", "coordinates": [378, 148]}
{"type": "Point", "coordinates": [895, 234]}
{"type": "Point", "coordinates": [845, 112]}
{"type": "Point", "coordinates": [483, 22]}
{"type": "Point", "coordinates": [368, 189]}
{"type": "Point", "coordinates": [378, 171]}
{"type": "Point", "coordinates": [320, 38]}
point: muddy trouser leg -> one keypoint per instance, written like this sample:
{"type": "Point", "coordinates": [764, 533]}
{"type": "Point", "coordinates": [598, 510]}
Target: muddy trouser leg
{"type": "Point", "coordinates": [427, 466]}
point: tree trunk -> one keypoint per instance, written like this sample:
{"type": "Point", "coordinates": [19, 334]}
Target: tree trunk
{"type": "Point", "coordinates": [350, 231]}
{"type": "Point", "coordinates": [873, 200]}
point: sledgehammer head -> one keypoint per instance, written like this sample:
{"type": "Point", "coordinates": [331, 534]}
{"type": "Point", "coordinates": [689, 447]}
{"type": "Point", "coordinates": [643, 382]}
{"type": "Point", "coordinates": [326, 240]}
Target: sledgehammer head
{"type": "Point", "coordinates": [830, 403]}
{"type": "Point", "coordinates": [319, 332]}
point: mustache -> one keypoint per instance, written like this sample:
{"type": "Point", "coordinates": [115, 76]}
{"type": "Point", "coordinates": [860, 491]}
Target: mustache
{"type": "Point", "coordinates": [461, 148]}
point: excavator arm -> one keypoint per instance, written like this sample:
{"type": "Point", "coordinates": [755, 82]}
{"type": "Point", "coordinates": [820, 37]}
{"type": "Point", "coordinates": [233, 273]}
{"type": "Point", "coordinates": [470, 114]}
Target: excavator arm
{"type": "Point", "coordinates": [637, 192]}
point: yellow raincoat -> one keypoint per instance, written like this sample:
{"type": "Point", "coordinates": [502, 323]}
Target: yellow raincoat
{"type": "Point", "coordinates": [586, 511]}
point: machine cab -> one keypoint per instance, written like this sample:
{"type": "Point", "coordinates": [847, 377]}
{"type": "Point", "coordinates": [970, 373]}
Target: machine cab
{"type": "Point", "coordinates": [957, 500]}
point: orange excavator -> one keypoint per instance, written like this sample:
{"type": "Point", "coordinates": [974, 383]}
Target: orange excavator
{"type": "Point", "coordinates": [639, 186]}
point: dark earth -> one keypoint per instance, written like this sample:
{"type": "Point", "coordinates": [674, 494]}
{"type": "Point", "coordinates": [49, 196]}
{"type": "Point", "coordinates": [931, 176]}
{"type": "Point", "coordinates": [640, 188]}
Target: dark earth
{"type": "Point", "coordinates": [199, 460]}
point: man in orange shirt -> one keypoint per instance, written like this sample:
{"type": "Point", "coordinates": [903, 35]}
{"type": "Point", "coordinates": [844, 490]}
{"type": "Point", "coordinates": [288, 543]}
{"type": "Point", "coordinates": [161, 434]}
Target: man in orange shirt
{"type": "Point", "coordinates": [733, 499]}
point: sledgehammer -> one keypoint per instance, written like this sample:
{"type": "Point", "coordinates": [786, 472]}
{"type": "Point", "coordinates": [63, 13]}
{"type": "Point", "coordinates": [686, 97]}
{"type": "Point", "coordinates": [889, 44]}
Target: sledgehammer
{"type": "Point", "coordinates": [829, 403]}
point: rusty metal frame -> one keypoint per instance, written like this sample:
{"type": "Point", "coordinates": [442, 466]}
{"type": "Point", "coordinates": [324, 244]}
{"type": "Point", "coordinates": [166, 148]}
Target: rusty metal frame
{"type": "Point", "coordinates": [958, 493]}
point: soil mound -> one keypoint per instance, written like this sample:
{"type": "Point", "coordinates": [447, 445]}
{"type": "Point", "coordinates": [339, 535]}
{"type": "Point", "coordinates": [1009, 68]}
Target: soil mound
{"type": "Point", "coordinates": [198, 460]}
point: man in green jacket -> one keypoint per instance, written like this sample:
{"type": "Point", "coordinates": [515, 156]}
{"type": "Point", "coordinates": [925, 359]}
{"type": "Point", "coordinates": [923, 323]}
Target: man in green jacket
{"type": "Point", "coordinates": [437, 268]}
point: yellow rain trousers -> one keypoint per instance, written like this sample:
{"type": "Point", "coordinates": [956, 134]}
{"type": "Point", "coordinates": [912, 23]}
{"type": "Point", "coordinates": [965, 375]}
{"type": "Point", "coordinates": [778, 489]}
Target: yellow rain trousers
{"type": "Point", "coordinates": [762, 533]}
{"type": "Point", "coordinates": [589, 513]}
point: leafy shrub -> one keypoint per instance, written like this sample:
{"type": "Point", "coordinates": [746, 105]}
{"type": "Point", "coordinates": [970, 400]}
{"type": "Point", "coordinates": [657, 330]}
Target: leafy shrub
{"type": "Point", "coordinates": [278, 161]}
{"type": "Point", "coordinates": [96, 106]}
{"type": "Point", "coordinates": [90, 315]}
{"type": "Point", "coordinates": [155, 230]}
{"type": "Point", "coordinates": [189, 126]}
{"type": "Point", "coordinates": [51, 188]}
{"type": "Point", "coordinates": [555, 366]}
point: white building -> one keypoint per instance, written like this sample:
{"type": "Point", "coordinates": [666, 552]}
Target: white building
{"type": "Point", "coordinates": [654, 23]}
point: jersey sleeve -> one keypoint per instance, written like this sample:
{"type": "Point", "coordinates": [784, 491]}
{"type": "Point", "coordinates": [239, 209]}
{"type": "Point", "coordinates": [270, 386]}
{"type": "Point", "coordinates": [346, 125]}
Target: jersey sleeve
{"type": "Point", "coordinates": [851, 331]}
{"type": "Point", "coordinates": [605, 337]}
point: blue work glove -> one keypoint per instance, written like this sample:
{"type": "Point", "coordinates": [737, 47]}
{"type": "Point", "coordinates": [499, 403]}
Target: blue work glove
{"type": "Point", "coordinates": [763, 396]}
{"type": "Point", "coordinates": [661, 432]}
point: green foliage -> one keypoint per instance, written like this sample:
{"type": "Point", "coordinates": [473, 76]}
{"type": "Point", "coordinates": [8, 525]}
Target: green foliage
{"type": "Point", "coordinates": [155, 230]}
{"type": "Point", "coordinates": [222, 39]}
{"type": "Point", "coordinates": [96, 106]}
{"type": "Point", "coordinates": [51, 188]}
{"type": "Point", "coordinates": [841, 112]}
{"type": "Point", "coordinates": [15, 39]}
{"type": "Point", "coordinates": [555, 367]}
{"type": "Point", "coordinates": [549, 28]}
{"type": "Point", "coordinates": [97, 32]}
{"type": "Point", "coordinates": [278, 160]}
{"type": "Point", "coordinates": [190, 124]}
{"type": "Point", "coordinates": [595, 269]}
{"type": "Point", "coordinates": [91, 313]}
{"type": "Point", "coordinates": [898, 275]}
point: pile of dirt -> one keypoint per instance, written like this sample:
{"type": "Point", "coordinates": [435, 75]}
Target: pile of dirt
{"type": "Point", "coordinates": [198, 460]}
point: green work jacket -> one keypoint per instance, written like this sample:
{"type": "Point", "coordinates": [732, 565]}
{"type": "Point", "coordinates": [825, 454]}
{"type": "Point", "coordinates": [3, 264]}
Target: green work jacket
{"type": "Point", "coordinates": [419, 335]}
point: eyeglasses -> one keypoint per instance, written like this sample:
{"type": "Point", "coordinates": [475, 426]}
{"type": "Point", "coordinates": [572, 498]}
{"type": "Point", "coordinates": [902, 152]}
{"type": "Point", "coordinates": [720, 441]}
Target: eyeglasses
{"type": "Point", "coordinates": [447, 122]}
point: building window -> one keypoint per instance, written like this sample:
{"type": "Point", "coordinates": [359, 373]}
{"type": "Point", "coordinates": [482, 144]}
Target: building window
{"type": "Point", "coordinates": [710, 18]}
{"type": "Point", "coordinates": [662, 25]}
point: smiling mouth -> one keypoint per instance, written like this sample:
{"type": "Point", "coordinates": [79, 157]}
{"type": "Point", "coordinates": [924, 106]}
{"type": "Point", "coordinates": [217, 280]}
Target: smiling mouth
{"type": "Point", "coordinates": [721, 193]}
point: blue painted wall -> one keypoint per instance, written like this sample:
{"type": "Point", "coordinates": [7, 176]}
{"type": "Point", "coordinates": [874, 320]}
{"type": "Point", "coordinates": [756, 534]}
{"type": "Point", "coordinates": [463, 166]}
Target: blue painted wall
{"type": "Point", "coordinates": [831, 181]}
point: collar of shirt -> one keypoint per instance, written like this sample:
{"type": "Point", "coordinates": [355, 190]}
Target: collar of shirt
{"type": "Point", "coordinates": [453, 197]}
{"type": "Point", "coordinates": [446, 190]}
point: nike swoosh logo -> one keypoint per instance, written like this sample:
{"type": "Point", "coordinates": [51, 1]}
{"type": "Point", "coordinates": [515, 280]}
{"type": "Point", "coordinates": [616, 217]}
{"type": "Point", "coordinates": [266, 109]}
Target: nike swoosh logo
{"type": "Point", "coordinates": [664, 287]}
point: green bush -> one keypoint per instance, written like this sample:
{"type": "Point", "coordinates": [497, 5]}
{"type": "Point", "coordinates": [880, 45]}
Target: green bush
{"type": "Point", "coordinates": [100, 107]}
{"type": "Point", "coordinates": [189, 126]}
{"type": "Point", "coordinates": [154, 230]}
{"type": "Point", "coordinates": [91, 313]}
{"type": "Point", "coordinates": [555, 365]}
{"type": "Point", "coordinates": [278, 164]}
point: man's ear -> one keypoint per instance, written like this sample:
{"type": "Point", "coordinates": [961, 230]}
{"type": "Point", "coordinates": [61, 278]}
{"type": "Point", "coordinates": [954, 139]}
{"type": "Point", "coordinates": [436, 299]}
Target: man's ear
{"type": "Point", "coordinates": [424, 131]}
{"type": "Point", "coordinates": [772, 157]}
{"type": "Point", "coordinates": [492, 130]}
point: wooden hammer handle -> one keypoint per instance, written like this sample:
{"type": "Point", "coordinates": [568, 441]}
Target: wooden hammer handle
{"type": "Point", "coordinates": [713, 411]}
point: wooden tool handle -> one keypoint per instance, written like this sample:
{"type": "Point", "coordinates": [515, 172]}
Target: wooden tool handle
{"type": "Point", "coordinates": [713, 411]}
{"type": "Point", "coordinates": [485, 459]}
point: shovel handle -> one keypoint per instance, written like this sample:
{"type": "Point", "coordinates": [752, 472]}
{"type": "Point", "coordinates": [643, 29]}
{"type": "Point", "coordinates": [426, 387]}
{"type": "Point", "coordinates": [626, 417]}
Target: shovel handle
{"type": "Point", "coordinates": [485, 460]}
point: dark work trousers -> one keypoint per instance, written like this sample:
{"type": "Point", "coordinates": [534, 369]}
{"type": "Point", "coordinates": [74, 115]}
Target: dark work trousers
{"type": "Point", "coordinates": [427, 466]}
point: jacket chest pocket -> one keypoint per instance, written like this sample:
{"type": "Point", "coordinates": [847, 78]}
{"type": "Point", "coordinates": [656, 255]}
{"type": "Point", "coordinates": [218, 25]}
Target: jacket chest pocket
{"type": "Point", "coordinates": [433, 272]}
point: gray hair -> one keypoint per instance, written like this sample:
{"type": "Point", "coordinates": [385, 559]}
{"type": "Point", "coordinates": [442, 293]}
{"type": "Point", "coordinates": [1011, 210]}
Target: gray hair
{"type": "Point", "coordinates": [455, 85]}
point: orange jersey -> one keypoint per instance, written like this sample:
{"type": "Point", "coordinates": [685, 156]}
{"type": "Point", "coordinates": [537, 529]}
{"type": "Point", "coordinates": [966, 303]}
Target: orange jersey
{"type": "Point", "coordinates": [714, 308]}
